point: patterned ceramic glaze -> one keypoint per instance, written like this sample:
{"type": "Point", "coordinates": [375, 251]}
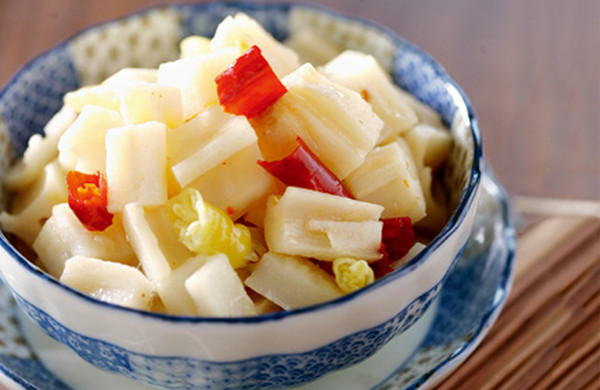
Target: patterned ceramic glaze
{"type": "Point", "coordinates": [276, 350]}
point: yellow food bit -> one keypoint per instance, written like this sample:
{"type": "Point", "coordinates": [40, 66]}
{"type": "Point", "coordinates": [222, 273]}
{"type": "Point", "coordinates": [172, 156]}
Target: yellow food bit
{"type": "Point", "coordinates": [88, 189]}
{"type": "Point", "coordinates": [351, 274]}
{"type": "Point", "coordinates": [205, 229]}
{"type": "Point", "coordinates": [242, 45]}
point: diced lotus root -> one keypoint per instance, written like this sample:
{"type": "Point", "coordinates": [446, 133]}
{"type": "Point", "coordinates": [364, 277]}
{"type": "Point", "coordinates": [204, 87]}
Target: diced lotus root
{"type": "Point", "coordinates": [292, 282]}
{"type": "Point", "coordinates": [386, 178]}
{"type": "Point", "coordinates": [136, 165]}
{"type": "Point", "coordinates": [128, 75]}
{"type": "Point", "coordinates": [144, 102]}
{"type": "Point", "coordinates": [82, 146]}
{"type": "Point", "coordinates": [336, 124]}
{"type": "Point", "coordinates": [217, 290]}
{"type": "Point", "coordinates": [193, 45]}
{"type": "Point", "coordinates": [107, 94]}
{"type": "Point", "coordinates": [314, 224]}
{"type": "Point", "coordinates": [238, 184]}
{"type": "Point", "coordinates": [363, 74]}
{"type": "Point", "coordinates": [110, 282]}
{"type": "Point", "coordinates": [40, 151]}
{"type": "Point", "coordinates": [430, 145]}
{"type": "Point", "coordinates": [63, 236]}
{"type": "Point", "coordinates": [154, 240]}
{"type": "Point", "coordinates": [242, 32]}
{"type": "Point", "coordinates": [206, 141]}
{"type": "Point", "coordinates": [172, 291]}
{"type": "Point", "coordinates": [93, 95]}
{"type": "Point", "coordinates": [35, 204]}
{"type": "Point", "coordinates": [194, 76]}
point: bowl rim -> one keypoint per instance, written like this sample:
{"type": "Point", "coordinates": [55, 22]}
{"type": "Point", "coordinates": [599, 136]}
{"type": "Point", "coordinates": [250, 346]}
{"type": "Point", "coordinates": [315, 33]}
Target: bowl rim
{"type": "Point", "coordinates": [466, 199]}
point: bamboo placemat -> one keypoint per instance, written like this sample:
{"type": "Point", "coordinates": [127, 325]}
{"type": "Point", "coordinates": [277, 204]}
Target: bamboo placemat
{"type": "Point", "coordinates": [548, 335]}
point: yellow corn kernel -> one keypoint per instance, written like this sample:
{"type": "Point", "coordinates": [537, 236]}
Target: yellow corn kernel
{"type": "Point", "coordinates": [205, 229]}
{"type": "Point", "coordinates": [351, 274]}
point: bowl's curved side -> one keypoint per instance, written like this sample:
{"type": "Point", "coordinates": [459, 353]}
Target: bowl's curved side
{"type": "Point", "coordinates": [307, 342]}
{"type": "Point", "coordinates": [150, 350]}
{"type": "Point", "coordinates": [34, 95]}
{"type": "Point", "coordinates": [254, 372]}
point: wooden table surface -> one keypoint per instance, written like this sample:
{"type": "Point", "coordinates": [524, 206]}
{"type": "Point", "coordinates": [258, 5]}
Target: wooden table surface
{"type": "Point", "coordinates": [531, 69]}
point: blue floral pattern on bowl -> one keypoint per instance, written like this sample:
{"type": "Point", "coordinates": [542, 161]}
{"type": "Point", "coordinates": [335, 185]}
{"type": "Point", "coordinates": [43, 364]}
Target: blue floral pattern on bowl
{"type": "Point", "coordinates": [266, 371]}
{"type": "Point", "coordinates": [40, 85]}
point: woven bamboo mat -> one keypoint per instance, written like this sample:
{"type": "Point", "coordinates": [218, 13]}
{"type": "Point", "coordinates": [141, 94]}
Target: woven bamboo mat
{"type": "Point", "coordinates": [548, 335]}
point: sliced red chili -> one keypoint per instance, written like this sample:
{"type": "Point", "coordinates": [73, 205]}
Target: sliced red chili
{"type": "Point", "coordinates": [302, 168]}
{"type": "Point", "coordinates": [88, 199]}
{"type": "Point", "coordinates": [398, 236]}
{"type": "Point", "coordinates": [249, 85]}
{"type": "Point", "coordinates": [382, 267]}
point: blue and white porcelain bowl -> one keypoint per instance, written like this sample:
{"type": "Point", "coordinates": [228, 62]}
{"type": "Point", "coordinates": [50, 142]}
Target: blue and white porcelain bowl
{"type": "Point", "coordinates": [274, 350]}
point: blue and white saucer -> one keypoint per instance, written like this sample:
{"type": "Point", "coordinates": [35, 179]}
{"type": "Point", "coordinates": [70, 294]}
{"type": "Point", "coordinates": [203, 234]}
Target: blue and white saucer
{"type": "Point", "coordinates": [468, 305]}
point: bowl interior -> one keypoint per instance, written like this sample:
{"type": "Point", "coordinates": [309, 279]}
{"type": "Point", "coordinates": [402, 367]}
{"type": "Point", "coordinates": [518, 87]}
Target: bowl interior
{"type": "Point", "coordinates": [149, 37]}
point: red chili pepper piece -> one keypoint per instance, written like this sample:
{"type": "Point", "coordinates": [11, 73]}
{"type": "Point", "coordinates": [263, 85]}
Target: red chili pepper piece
{"type": "Point", "coordinates": [302, 168]}
{"type": "Point", "coordinates": [88, 199]}
{"type": "Point", "coordinates": [249, 85]}
{"type": "Point", "coordinates": [398, 236]}
{"type": "Point", "coordinates": [382, 266]}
